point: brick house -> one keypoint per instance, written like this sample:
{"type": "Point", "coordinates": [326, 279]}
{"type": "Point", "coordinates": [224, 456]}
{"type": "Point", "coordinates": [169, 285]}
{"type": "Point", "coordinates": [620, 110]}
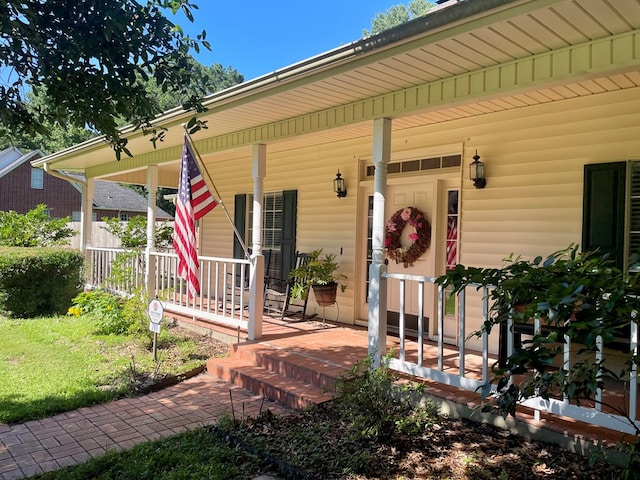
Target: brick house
{"type": "Point", "coordinates": [23, 187]}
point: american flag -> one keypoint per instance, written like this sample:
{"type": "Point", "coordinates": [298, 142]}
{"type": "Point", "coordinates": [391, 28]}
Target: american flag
{"type": "Point", "coordinates": [194, 202]}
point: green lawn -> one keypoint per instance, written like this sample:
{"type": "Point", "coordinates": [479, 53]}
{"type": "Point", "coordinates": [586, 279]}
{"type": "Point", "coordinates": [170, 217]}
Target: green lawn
{"type": "Point", "coordinates": [52, 365]}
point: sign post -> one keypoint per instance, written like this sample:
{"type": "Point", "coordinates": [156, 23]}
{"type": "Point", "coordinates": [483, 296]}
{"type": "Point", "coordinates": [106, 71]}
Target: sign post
{"type": "Point", "coordinates": [155, 312]}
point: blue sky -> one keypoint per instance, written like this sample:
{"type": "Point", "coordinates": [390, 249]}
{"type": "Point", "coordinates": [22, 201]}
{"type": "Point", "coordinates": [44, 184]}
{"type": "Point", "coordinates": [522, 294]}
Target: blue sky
{"type": "Point", "coordinates": [258, 37]}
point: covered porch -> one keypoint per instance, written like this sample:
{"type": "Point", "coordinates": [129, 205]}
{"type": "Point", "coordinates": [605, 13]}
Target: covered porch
{"type": "Point", "coordinates": [322, 347]}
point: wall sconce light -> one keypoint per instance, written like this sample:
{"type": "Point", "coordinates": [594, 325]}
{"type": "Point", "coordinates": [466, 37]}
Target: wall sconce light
{"type": "Point", "coordinates": [338, 185]}
{"type": "Point", "coordinates": [476, 172]}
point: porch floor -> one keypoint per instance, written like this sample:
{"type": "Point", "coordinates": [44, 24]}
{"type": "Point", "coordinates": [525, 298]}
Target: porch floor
{"type": "Point", "coordinates": [337, 347]}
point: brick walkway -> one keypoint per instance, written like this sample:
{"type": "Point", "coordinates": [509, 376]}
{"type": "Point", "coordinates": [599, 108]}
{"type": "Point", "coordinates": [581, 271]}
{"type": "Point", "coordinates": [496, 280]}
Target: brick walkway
{"type": "Point", "coordinates": [73, 437]}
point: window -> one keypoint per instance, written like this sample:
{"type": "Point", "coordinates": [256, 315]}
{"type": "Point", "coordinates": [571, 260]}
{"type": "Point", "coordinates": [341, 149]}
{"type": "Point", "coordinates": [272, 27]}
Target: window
{"type": "Point", "coordinates": [271, 220]}
{"type": "Point", "coordinates": [611, 212]}
{"type": "Point", "coordinates": [452, 230]}
{"type": "Point", "coordinates": [37, 178]}
{"type": "Point", "coordinates": [278, 229]}
{"type": "Point", "coordinates": [603, 212]}
{"type": "Point", "coordinates": [76, 216]}
{"type": "Point", "coordinates": [124, 217]}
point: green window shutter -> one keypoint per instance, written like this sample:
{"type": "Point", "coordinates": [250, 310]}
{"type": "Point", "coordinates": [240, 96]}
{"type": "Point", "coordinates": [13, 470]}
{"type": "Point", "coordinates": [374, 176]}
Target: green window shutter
{"type": "Point", "coordinates": [239, 220]}
{"type": "Point", "coordinates": [289, 213]}
{"type": "Point", "coordinates": [604, 209]}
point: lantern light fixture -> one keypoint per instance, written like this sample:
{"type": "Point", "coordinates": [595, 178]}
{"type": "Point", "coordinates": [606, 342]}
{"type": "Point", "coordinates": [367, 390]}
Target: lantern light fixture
{"type": "Point", "coordinates": [338, 185]}
{"type": "Point", "coordinates": [476, 172]}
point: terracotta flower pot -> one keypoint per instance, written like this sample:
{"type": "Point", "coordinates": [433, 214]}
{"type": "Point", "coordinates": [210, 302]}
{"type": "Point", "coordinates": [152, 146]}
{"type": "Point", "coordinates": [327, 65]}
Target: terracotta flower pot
{"type": "Point", "coordinates": [325, 294]}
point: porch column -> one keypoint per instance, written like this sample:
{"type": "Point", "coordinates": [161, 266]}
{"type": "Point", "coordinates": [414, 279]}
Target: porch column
{"type": "Point", "coordinates": [86, 214]}
{"type": "Point", "coordinates": [256, 278]}
{"type": "Point", "coordinates": [150, 260]}
{"type": "Point", "coordinates": [377, 325]}
{"type": "Point", "coordinates": [86, 225]}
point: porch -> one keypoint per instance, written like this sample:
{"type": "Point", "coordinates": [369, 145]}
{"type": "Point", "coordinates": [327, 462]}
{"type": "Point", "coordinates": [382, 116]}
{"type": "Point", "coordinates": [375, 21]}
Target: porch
{"type": "Point", "coordinates": [296, 362]}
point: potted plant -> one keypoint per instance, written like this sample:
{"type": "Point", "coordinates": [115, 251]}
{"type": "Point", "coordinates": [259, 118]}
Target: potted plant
{"type": "Point", "coordinates": [320, 272]}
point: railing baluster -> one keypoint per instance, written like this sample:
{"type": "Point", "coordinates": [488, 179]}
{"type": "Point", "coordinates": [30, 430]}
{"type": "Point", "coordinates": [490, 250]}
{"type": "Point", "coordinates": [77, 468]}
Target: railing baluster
{"type": "Point", "coordinates": [401, 320]}
{"type": "Point", "coordinates": [420, 322]}
{"type": "Point", "coordinates": [633, 374]}
{"type": "Point", "coordinates": [485, 335]}
{"type": "Point", "coordinates": [599, 353]}
{"type": "Point", "coordinates": [461, 333]}
{"type": "Point", "coordinates": [440, 328]}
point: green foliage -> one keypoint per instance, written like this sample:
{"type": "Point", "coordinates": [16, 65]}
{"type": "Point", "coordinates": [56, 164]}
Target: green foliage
{"type": "Point", "coordinates": [33, 229]}
{"type": "Point", "coordinates": [577, 294]}
{"type": "Point", "coordinates": [104, 308]}
{"type": "Point", "coordinates": [112, 314]}
{"type": "Point", "coordinates": [36, 282]}
{"type": "Point", "coordinates": [397, 15]}
{"type": "Point", "coordinates": [166, 205]}
{"type": "Point", "coordinates": [57, 137]}
{"type": "Point", "coordinates": [316, 269]}
{"type": "Point", "coordinates": [133, 232]}
{"type": "Point", "coordinates": [378, 406]}
{"type": "Point", "coordinates": [92, 70]}
{"type": "Point", "coordinates": [194, 455]}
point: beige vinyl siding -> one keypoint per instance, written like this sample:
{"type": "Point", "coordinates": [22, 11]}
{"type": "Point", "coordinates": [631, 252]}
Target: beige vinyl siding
{"type": "Point", "coordinates": [323, 220]}
{"type": "Point", "coordinates": [534, 161]}
{"type": "Point", "coordinates": [532, 205]}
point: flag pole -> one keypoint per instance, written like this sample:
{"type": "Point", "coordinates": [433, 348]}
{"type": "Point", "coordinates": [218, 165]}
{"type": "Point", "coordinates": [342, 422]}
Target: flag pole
{"type": "Point", "coordinates": [203, 168]}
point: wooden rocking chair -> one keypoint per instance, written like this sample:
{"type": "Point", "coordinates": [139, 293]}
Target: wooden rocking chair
{"type": "Point", "coordinates": [277, 297]}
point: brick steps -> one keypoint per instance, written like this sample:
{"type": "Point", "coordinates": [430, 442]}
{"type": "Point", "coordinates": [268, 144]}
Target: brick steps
{"type": "Point", "coordinates": [291, 379]}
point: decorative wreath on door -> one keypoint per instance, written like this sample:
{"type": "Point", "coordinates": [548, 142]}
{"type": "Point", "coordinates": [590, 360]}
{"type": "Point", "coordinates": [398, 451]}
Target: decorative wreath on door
{"type": "Point", "coordinates": [421, 238]}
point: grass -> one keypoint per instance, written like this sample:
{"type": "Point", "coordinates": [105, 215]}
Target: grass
{"type": "Point", "coordinates": [194, 455]}
{"type": "Point", "coordinates": [52, 365]}
{"type": "Point", "coordinates": [371, 431]}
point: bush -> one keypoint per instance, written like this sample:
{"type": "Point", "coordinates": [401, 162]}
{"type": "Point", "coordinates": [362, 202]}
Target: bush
{"type": "Point", "coordinates": [113, 315]}
{"type": "Point", "coordinates": [378, 406]}
{"type": "Point", "coordinates": [36, 282]}
{"type": "Point", "coordinates": [33, 229]}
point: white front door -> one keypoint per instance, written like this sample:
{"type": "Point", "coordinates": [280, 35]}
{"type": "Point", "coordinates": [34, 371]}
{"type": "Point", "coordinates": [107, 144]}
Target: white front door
{"type": "Point", "coordinates": [432, 196]}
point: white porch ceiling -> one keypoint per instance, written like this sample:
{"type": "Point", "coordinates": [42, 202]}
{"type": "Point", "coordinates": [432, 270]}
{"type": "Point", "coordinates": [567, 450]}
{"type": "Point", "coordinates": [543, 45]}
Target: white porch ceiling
{"type": "Point", "coordinates": [431, 49]}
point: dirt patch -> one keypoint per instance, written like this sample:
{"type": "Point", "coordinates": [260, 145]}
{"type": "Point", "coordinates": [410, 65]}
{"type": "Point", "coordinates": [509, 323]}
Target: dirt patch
{"type": "Point", "coordinates": [448, 449]}
{"type": "Point", "coordinates": [174, 363]}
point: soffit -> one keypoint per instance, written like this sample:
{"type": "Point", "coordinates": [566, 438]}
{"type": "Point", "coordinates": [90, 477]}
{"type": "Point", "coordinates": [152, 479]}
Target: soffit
{"type": "Point", "coordinates": [516, 30]}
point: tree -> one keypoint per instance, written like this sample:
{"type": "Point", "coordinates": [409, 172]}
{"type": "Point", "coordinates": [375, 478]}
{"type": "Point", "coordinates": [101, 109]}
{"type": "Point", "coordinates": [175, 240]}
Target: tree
{"type": "Point", "coordinates": [58, 137]}
{"type": "Point", "coordinates": [133, 233]}
{"type": "Point", "coordinates": [33, 229]}
{"type": "Point", "coordinates": [91, 60]}
{"type": "Point", "coordinates": [397, 15]}
{"type": "Point", "coordinates": [205, 79]}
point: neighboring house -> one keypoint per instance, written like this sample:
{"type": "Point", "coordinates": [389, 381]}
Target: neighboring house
{"type": "Point", "coordinates": [545, 92]}
{"type": "Point", "coordinates": [23, 187]}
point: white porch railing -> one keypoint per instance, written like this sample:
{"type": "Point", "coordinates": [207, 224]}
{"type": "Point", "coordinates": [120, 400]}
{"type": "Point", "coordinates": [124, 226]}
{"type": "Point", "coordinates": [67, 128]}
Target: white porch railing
{"type": "Point", "coordinates": [450, 365]}
{"type": "Point", "coordinates": [224, 282]}
{"type": "Point", "coordinates": [224, 289]}
{"type": "Point", "coordinates": [116, 269]}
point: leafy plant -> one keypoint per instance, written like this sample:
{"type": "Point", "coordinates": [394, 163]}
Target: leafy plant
{"type": "Point", "coordinates": [133, 232]}
{"type": "Point", "coordinates": [33, 229]}
{"type": "Point", "coordinates": [378, 405]}
{"type": "Point", "coordinates": [38, 281]}
{"type": "Point", "coordinates": [316, 269]}
{"type": "Point", "coordinates": [105, 308]}
{"type": "Point", "coordinates": [577, 294]}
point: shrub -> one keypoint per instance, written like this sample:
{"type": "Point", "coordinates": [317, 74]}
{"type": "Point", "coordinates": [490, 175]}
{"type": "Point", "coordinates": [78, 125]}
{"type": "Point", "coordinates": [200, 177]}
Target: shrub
{"type": "Point", "coordinates": [105, 308]}
{"type": "Point", "coordinates": [33, 229]}
{"type": "Point", "coordinates": [133, 232]}
{"type": "Point", "coordinates": [36, 282]}
{"type": "Point", "coordinates": [380, 407]}
{"type": "Point", "coordinates": [113, 315]}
